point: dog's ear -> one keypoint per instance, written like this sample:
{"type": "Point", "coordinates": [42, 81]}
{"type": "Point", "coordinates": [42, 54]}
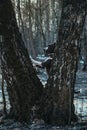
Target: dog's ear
{"type": "Point", "coordinates": [50, 48]}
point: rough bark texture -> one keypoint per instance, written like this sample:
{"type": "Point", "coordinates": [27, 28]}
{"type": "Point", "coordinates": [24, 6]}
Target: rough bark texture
{"type": "Point", "coordinates": [24, 87]}
{"type": "Point", "coordinates": [59, 99]}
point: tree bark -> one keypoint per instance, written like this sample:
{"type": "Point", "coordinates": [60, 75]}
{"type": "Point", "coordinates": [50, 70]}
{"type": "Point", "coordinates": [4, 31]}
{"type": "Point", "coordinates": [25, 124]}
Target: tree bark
{"type": "Point", "coordinates": [60, 87]}
{"type": "Point", "coordinates": [24, 87]}
{"type": "Point", "coordinates": [83, 39]}
{"type": "Point", "coordinates": [33, 52]}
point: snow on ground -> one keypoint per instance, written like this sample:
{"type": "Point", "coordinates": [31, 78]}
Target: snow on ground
{"type": "Point", "coordinates": [80, 101]}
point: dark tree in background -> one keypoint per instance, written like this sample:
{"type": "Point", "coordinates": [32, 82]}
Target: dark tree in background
{"type": "Point", "coordinates": [60, 87]}
{"type": "Point", "coordinates": [83, 39]}
{"type": "Point", "coordinates": [24, 87]}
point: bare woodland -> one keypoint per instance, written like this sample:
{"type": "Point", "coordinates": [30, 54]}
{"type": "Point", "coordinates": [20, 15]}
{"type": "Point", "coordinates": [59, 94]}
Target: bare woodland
{"type": "Point", "coordinates": [26, 28]}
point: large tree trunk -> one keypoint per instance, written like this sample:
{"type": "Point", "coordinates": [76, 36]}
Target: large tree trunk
{"type": "Point", "coordinates": [59, 100]}
{"type": "Point", "coordinates": [24, 87]}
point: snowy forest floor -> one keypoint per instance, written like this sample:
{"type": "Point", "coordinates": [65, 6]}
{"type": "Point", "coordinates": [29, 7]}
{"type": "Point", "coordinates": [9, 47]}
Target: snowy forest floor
{"type": "Point", "coordinates": [80, 101]}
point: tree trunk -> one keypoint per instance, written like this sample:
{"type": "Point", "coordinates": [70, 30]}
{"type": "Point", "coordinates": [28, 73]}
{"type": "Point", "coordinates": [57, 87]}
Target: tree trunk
{"type": "Point", "coordinates": [83, 39]}
{"type": "Point", "coordinates": [60, 87]}
{"type": "Point", "coordinates": [24, 87]}
{"type": "Point", "coordinates": [33, 52]}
